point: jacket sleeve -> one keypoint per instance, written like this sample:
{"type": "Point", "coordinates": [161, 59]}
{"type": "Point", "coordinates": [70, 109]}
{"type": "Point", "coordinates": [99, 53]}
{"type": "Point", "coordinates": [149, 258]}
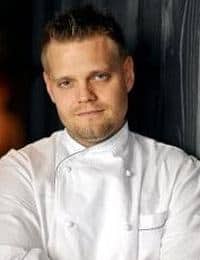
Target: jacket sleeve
{"type": "Point", "coordinates": [11, 252]}
{"type": "Point", "coordinates": [20, 232]}
{"type": "Point", "coordinates": [182, 230]}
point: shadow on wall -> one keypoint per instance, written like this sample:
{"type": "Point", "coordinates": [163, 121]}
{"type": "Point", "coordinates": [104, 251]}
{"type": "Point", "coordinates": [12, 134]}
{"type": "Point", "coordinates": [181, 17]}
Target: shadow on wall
{"type": "Point", "coordinates": [12, 131]}
{"type": "Point", "coordinates": [15, 67]}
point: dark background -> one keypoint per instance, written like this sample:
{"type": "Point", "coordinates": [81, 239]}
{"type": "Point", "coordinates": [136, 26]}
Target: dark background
{"type": "Point", "coordinates": [163, 37]}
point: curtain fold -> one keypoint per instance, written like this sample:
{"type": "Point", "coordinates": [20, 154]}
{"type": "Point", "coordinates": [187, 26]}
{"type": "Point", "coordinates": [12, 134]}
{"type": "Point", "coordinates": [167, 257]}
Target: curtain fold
{"type": "Point", "coordinates": [180, 72]}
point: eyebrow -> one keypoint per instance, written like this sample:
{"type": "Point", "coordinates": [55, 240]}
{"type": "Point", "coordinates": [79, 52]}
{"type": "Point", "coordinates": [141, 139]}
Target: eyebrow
{"type": "Point", "coordinates": [99, 71]}
{"type": "Point", "coordinates": [108, 69]}
{"type": "Point", "coordinates": [61, 78]}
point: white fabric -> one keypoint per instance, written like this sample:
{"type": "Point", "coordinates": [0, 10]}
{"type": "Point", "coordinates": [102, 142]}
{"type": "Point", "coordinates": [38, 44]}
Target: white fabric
{"type": "Point", "coordinates": [127, 198]}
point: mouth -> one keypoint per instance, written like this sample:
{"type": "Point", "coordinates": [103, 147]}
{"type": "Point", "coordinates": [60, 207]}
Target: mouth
{"type": "Point", "coordinates": [90, 113]}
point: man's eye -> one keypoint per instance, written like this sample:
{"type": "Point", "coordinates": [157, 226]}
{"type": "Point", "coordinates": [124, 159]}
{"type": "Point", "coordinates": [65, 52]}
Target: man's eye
{"type": "Point", "coordinates": [64, 84]}
{"type": "Point", "coordinates": [102, 76]}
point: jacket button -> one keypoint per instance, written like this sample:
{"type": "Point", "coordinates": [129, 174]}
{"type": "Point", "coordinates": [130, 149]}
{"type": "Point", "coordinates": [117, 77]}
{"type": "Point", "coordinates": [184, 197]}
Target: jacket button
{"type": "Point", "coordinates": [68, 169]}
{"type": "Point", "coordinates": [128, 227]}
{"type": "Point", "coordinates": [128, 173]}
{"type": "Point", "coordinates": [69, 224]}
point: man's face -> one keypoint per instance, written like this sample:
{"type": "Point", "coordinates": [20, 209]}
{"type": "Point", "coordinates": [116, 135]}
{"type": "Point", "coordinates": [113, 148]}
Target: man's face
{"type": "Point", "coordinates": [89, 83]}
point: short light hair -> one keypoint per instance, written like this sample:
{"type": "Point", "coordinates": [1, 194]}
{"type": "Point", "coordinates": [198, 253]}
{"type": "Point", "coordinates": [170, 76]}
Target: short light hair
{"type": "Point", "coordinates": [79, 24]}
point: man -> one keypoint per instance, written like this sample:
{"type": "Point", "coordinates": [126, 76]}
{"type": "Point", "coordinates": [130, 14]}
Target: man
{"type": "Point", "coordinates": [96, 191]}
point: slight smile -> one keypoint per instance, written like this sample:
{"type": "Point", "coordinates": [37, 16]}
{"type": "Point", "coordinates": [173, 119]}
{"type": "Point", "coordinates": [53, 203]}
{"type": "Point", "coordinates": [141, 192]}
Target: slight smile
{"type": "Point", "coordinates": [88, 113]}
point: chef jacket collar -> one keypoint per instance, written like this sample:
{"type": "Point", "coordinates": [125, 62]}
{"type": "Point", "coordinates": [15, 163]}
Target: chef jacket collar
{"type": "Point", "coordinates": [115, 144]}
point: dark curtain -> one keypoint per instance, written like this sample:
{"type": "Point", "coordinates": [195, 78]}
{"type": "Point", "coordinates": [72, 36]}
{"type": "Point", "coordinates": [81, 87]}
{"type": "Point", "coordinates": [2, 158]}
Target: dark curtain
{"type": "Point", "coordinates": [163, 37]}
{"type": "Point", "coordinates": [180, 73]}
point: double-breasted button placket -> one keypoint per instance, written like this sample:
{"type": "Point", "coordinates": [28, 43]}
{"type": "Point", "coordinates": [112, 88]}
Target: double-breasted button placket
{"type": "Point", "coordinates": [129, 173]}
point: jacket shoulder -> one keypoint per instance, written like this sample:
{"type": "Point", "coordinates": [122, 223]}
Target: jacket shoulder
{"type": "Point", "coordinates": [152, 145]}
{"type": "Point", "coordinates": [158, 152]}
{"type": "Point", "coordinates": [34, 154]}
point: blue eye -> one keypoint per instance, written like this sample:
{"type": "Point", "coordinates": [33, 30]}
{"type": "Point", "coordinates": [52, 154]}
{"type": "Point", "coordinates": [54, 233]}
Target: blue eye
{"type": "Point", "coordinates": [64, 84]}
{"type": "Point", "coordinates": [102, 76]}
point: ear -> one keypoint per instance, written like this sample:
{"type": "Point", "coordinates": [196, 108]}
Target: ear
{"type": "Point", "coordinates": [129, 73]}
{"type": "Point", "coordinates": [49, 86]}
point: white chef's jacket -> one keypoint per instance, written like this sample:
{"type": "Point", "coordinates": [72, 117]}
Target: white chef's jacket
{"type": "Point", "coordinates": [126, 198]}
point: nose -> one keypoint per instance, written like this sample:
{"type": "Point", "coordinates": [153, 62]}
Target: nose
{"type": "Point", "coordinates": [85, 93]}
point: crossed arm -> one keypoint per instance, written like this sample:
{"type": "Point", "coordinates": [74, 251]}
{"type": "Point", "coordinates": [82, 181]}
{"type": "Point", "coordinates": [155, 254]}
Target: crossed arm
{"type": "Point", "coordinates": [20, 228]}
{"type": "Point", "coordinates": [20, 234]}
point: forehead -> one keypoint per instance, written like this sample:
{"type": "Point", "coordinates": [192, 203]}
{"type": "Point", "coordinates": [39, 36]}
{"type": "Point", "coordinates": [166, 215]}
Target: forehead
{"type": "Point", "coordinates": [75, 53]}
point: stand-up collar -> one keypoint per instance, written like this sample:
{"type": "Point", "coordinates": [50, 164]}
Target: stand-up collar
{"type": "Point", "coordinates": [115, 144]}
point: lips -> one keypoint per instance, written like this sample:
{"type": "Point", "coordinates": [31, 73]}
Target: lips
{"type": "Point", "coordinates": [90, 112]}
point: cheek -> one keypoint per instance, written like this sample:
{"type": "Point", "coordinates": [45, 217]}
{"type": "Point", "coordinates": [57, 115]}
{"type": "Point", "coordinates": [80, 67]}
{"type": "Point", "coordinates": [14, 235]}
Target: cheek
{"type": "Point", "coordinates": [118, 99]}
{"type": "Point", "coordinates": [64, 103]}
